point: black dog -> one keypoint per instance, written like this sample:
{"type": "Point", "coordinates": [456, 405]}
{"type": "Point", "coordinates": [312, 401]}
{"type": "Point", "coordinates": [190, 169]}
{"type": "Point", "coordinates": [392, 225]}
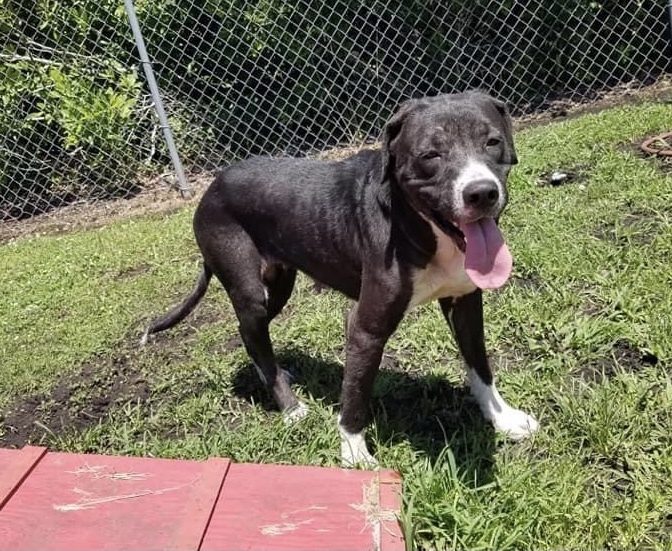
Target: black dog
{"type": "Point", "coordinates": [391, 229]}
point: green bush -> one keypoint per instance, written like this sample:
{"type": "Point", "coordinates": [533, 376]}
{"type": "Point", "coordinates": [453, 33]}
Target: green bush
{"type": "Point", "coordinates": [69, 115]}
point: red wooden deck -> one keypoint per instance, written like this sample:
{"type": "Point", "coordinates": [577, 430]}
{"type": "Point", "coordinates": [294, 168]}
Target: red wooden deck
{"type": "Point", "coordinates": [71, 501]}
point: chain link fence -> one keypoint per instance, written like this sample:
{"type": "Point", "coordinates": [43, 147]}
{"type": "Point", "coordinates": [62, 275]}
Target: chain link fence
{"type": "Point", "coordinates": [238, 78]}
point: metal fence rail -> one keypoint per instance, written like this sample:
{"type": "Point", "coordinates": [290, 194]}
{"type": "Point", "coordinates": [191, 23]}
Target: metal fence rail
{"type": "Point", "coordinates": [280, 77]}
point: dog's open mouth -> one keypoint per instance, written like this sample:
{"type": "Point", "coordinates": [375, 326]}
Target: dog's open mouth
{"type": "Point", "coordinates": [487, 259]}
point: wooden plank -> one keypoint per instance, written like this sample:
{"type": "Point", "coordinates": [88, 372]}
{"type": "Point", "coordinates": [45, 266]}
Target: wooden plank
{"type": "Point", "coordinates": [199, 510]}
{"type": "Point", "coordinates": [391, 535]}
{"type": "Point", "coordinates": [72, 502]}
{"type": "Point", "coordinates": [273, 507]}
{"type": "Point", "coordinates": [15, 466]}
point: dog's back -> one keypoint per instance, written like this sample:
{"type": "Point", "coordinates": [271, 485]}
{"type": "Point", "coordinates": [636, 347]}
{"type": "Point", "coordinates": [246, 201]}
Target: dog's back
{"type": "Point", "coordinates": [299, 212]}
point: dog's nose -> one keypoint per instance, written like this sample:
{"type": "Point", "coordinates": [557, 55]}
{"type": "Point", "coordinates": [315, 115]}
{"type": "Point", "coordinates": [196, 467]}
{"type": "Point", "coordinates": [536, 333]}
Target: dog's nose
{"type": "Point", "coordinates": [481, 194]}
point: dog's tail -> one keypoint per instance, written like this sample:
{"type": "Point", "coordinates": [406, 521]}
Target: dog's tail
{"type": "Point", "coordinates": [183, 309]}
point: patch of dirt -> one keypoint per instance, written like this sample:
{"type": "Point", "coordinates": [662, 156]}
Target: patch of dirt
{"type": "Point", "coordinates": [78, 401]}
{"type": "Point", "coordinates": [234, 342]}
{"type": "Point", "coordinates": [635, 227]}
{"type": "Point", "coordinates": [155, 198]}
{"type": "Point", "coordinates": [565, 109]}
{"type": "Point", "coordinates": [624, 357]}
{"type": "Point", "coordinates": [594, 307]}
{"type": "Point", "coordinates": [530, 281]}
{"type": "Point", "coordinates": [667, 525]}
{"type": "Point", "coordinates": [87, 395]}
{"type": "Point", "coordinates": [614, 473]}
{"type": "Point", "coordinates": [133, 272]}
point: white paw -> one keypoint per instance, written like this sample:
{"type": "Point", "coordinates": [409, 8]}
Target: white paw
{"type": "Point", "coordinates": [357, 457]}
{"type": "Point", "coordinates": [354, 452]}
{"type": "Point", "coordinates": [515, 424]}
{"type": "Point", "coordinates": [295, 414]}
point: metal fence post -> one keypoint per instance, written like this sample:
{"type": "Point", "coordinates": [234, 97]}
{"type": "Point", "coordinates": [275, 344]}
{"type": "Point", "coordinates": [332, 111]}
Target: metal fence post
{"type": "Point", "coordinates": [669, 15]}
{"type": "Point", "coordinates": [184, 187]}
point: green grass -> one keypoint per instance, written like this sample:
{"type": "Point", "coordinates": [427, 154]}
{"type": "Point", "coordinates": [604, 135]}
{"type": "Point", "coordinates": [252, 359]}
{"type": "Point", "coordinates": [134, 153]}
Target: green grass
{"type": "Point", "coordinates": [573, 337]}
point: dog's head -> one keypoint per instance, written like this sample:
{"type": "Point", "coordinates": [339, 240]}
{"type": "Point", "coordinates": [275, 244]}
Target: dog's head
{"type": "Point", "coordinates": [450, 156]}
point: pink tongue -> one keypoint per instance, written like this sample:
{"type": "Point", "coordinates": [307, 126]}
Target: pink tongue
{"type": "Point", "coordinates": [487, 260]}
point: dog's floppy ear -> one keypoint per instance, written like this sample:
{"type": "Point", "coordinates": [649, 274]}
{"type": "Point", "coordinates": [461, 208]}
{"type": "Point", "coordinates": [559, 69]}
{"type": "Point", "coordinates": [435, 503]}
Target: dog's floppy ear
{"type": "Point", "coordinates": [391, 131]}
{"type": "Point", "coordinates": [503, 110]}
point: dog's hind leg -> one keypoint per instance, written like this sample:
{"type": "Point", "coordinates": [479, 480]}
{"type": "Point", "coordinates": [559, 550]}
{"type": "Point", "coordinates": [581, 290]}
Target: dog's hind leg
{"type": "Point", "coordinates": [241, 269]}
{"type": "Point", "coordinates": [465, 317]}
{"type": "Point", "coordinates": [279, 281]}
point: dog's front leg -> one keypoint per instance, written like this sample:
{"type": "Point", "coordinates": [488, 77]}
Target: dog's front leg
{"type": "Point", "coordinates": [369, 325]}
{"type": "Point", "coordinates": [465, 317]}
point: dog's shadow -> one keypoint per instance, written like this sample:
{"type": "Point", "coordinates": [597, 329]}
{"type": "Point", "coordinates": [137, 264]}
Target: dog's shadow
{"type": "Point", "coordinates": [424, 410]}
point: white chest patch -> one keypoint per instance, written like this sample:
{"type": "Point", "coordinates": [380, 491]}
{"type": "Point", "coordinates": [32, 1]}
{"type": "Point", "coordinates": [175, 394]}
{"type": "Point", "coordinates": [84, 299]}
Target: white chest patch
{"type": "Point", "coordinates": [444, 276]}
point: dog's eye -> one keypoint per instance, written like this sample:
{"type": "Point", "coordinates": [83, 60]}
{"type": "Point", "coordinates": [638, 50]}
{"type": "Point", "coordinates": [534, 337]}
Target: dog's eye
{"type": "Point", "coordinates": [493, 142]}
{"type": "Point", "coordinates": [430, 155]}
